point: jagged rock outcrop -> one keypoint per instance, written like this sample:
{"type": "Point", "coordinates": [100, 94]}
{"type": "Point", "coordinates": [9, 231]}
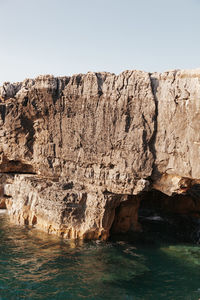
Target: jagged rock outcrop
{"type": "Point", "coordinates": [77, 152]}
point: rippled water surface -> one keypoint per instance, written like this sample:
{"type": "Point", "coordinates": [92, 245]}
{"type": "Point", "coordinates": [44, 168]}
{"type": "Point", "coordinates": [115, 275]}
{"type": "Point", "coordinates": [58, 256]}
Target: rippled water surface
{"type": "Point", "coordinates": [34, 265]}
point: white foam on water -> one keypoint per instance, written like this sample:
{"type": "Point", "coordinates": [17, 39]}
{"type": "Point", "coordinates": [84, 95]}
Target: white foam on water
{"type": "Point", "coordinates": [155, 218]}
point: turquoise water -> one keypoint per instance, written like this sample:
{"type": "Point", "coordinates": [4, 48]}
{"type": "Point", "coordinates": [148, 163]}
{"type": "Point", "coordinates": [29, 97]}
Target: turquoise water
{"type": "Point", "coordinates": [34, 265]}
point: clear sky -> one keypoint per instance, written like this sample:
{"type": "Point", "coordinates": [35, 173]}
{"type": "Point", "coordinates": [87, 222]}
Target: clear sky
{"type": "Point", "coordinates": [63, 37]}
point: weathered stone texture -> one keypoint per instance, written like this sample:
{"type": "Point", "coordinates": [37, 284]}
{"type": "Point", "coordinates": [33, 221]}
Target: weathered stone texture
{"type": "Point", "coordinates": [177, 144]}
{"type": "Point", "coordinates": [89, 141]}
{"type": "Point", "coordinates": [95, 128]}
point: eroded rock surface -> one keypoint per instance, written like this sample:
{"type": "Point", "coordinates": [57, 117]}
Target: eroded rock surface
{"type": "Point", "coordinates": [177, 143]}
{"type": "Point", "coordinates": [73, 148]}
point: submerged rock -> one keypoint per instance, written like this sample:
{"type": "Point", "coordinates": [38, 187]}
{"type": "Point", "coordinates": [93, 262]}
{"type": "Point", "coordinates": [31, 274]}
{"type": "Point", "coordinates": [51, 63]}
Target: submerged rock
{"type": "Point", "coordinates": [74, 149]}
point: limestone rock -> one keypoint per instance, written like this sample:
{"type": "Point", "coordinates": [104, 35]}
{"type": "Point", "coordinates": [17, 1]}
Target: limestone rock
{"type": "Point", "coordinates": [74, 148]}
{"type": "Point", "coordinates": [61, 208]}
{"type": "Point", "coordinates": [177, 143]}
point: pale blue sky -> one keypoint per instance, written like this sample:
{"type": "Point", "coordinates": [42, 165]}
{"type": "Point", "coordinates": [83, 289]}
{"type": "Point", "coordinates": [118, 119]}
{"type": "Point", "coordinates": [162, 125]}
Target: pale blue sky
{"type": "Point", "coordinates": [62, 37]}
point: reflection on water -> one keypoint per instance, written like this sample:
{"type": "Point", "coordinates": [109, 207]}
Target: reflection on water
{"type": "Point", "coordinates": [34, 265]}
{"type": "Point", "coordinates": [190, 255]}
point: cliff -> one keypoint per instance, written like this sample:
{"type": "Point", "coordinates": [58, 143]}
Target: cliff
{"type": "Point", "coordinates": [77, 152]}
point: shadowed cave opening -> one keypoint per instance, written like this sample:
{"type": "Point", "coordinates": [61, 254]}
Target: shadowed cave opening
{"type": "Point", "coordinates": [153, 217]}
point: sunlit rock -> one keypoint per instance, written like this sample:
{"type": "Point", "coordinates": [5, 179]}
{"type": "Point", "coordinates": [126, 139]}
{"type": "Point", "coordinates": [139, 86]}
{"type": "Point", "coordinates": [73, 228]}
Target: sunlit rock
{"type": "Point", "coordinates": [73, 148]}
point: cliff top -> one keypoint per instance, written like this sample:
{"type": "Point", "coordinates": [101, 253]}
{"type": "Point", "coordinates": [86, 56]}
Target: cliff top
{"type": "Point", "coordinates": [10, 90]}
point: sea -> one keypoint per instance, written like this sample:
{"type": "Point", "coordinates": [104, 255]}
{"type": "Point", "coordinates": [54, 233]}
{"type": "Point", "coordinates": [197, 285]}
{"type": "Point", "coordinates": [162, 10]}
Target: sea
{"type": "Point", "coordinates": [35, 265]}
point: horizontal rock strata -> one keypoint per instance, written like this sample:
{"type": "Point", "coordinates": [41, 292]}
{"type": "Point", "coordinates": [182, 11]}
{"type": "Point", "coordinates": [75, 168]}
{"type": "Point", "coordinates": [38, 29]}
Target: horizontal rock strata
{"type": "Point", "coordinates": [77, 152]}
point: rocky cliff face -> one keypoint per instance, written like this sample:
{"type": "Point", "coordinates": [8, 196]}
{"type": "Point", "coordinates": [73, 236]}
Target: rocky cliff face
{"type": "Point", "coordinates": [77, 152]}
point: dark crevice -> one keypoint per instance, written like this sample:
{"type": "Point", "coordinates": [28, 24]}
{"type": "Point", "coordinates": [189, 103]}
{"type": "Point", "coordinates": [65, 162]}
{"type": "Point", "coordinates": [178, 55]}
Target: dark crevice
{"type": "Point", "coordinates": [100, 84]}
{"type": "Point", "coordinates": [6, 196]}
{"type": "Point", "coordinates": [28, 127]}
{"type": "Point", "coordinates": [154, 86]}
{"type": "Point", "coordinates": [19, 172]}
{"type": "Point", "coordinates": [127, 120]}
{"type": "Point", "coordinates": [25, 101]}
{"type": "Point", "coordinates": [194, 192]}
{"type": "Point", "coordinates": [22, 169]}
{"type": "Point", "coordinates": [144, 139]}
{"type": "Point", "coordinates": [56, 93]}
{"type": "Point", "coordinates": [16, 167]}
{"type": "Point", "coordinates": [49, 160]}
{"type": "Point", "coordinates": [68, 186]}
{"type": "Point", "coordinates": [128, 115]}
{"type": "Point", "coordinates": [3, 112]}
{"type": "Point", "coordinates": [78, 80]}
